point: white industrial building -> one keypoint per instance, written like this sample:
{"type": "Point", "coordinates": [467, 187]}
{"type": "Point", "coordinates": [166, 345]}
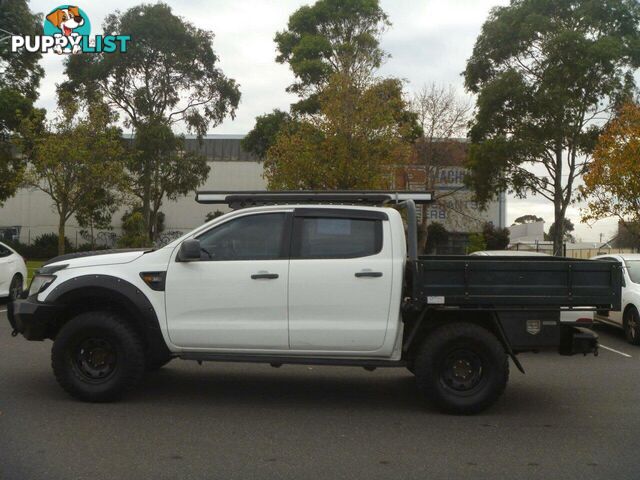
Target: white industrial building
{"type": "Point", "coordinates": [30, 213]}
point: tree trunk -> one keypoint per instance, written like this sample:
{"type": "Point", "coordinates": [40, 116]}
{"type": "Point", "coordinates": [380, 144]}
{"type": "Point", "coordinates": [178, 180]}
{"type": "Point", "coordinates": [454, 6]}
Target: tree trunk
{"type": "Point", "coordinates": [558, 234]}
{"type": "Point", "coordinates": [61, 225]}
{"type": "Point", "coordinates": [146, 198]}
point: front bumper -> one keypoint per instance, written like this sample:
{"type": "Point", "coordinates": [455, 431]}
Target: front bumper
{"type": "Point", "coordinates": [34, 320]}
{"type": "Point", "coordinates": [574, 340]}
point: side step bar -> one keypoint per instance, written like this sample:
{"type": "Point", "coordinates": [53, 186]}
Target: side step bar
{"type": "Point", "coordinates": [279, 360]}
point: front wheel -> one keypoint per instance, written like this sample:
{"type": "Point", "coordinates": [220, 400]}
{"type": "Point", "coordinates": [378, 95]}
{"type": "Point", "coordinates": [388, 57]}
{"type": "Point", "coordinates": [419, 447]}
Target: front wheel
{"type": "Point", "coordinates": [631, 324]}
{"type": "Point", "coordinates": [462, 368]}
{"type": "Point", "coordinates": [97, 357]}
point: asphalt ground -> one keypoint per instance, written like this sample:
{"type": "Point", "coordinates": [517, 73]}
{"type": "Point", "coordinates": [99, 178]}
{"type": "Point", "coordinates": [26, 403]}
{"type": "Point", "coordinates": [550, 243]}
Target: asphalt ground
{"type": "Point", "coordinates": [568, 417]}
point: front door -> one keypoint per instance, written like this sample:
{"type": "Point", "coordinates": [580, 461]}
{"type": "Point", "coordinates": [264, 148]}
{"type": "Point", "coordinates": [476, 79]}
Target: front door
{"type": "Point", "coordinates": [235, 297]}
{"type": "Point", "coordinates": [340, 279]}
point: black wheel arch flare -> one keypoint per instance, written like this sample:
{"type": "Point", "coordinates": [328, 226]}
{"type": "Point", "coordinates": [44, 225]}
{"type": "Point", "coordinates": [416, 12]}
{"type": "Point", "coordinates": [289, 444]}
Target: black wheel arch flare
{"type": "Point", "coordinates": [87, 292]}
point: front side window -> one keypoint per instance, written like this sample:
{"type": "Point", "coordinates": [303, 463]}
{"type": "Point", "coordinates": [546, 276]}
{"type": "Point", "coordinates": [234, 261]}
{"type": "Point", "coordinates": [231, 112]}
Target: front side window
{"type": "Point", "coordinates": [252, 237]}
{"type": "Point", "coordinates": [336, 237]}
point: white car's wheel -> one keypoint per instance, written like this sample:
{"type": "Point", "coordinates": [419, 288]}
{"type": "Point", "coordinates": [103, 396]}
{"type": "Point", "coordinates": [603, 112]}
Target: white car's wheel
{"type": "Point", "coordinates": [15, 289]}
{"type": "Point", "coordinates": [631, 324]}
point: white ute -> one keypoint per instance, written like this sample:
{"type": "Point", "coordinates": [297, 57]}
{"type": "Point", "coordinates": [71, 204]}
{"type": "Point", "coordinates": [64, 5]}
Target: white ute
{"type": "Point", "coordinates": [325, 278]}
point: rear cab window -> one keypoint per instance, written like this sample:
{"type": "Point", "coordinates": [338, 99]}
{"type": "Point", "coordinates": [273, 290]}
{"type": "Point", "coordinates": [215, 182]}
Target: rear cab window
{"type": "Point", "coordinates": [327, 233]}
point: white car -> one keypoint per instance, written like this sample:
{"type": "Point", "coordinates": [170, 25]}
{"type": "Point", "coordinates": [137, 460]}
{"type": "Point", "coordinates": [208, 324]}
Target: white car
{"type": "Point", "coordinates": [13, 273]}
{"type": "Point", "coordinates": [627, 318]}
{"type": "Point", "coordinates": [569, 316]}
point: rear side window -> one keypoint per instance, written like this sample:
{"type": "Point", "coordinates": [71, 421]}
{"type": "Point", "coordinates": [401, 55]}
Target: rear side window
{"type": "Point", "coordinates": [4, 251]}
{"type": "Point", "coordinates": [318, 237]}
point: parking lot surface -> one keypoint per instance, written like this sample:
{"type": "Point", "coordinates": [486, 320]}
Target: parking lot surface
{"type": "Point", "coordinates": [568, 417]}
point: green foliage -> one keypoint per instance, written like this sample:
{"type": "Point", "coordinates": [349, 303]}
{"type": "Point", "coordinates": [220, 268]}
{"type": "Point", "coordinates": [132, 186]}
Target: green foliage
{"type": "Point", "coordinates": [495, 238]}
{"type": "Point", "coordinates": [476, 243]}
{"type": "Point", "coordinates": [329, 37]}
{"type": "Point", "coordinates": [543, 71]}
{"type": "Point", "coordinates": [436, 234]}
{"type": "Point", "coordinates": [527, 219]}
{"type": "Point", "coordinates": [168, 75]}
{"type": "Point", "coordinates": [566, 231]}
{"type": "Point", "coordinates": [19, 80]}
{"type": "Point", "coordinates": [212, 215]}
{"type": "Point", "coordinates": [158, 167]}
{"type": "Point", "coordinates": [264, 133]}
{"type": "Point", "coordinates": [43, 247]}
{"type": "Point", "coordinates": [134, 231]}
{"type": "Point", "coordinates": [74, 160]}
{"type": "Point", "coordinates": [168, 72]}
{"type": "Point", "coordinates": [352, 143]}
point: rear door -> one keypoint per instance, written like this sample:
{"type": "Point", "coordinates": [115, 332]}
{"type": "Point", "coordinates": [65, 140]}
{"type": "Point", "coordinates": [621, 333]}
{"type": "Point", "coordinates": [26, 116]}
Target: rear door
{"type": "Point", "coordinates": [340, 278]}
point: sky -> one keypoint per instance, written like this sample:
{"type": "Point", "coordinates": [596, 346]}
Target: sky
{"type": "Point", "coordinates": [429, 41]}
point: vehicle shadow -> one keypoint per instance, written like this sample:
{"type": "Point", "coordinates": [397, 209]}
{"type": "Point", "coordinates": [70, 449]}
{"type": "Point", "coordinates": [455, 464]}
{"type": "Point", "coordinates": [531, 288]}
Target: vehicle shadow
{"type": "Point", "coordinates": [254, 385]}
{"type": "Point", "coordinates": [328, 388]}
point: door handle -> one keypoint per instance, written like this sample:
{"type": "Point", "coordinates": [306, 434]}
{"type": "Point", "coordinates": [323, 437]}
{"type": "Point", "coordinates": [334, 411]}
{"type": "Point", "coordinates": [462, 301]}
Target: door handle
{"type": "Point", "coordinates": [266, 276]}
{"type": "Point", "coordinates": [368, 274]}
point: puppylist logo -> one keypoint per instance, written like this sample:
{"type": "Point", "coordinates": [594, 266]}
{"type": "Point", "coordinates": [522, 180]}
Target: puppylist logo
{"type": "Point", "coordinates": [67, 29]}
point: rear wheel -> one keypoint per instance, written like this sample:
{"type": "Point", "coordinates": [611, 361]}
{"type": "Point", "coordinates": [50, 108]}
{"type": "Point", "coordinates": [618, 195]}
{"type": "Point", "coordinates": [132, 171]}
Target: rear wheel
{"type": "Point", "coordinates": [15, 288]}
{"type": "Point", "coordinates": [462, 368]}
{"type": "Point", "coordinates": [631, 324]}
{"type": "Point", "coordinates": [97, 357]}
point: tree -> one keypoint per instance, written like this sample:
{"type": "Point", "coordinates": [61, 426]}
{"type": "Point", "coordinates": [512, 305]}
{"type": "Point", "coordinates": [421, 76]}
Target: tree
{"type": "Point", "coordinates": [476, 243]}
{"type": "Point", "coordinates": [524, 219]}
{"type": "Point", "coordinates": [20, 76]}
{"type": "Point", "coordinates": [437, 233]}
{"type": "Point", "coordinates": [545, 73]}
{"type": "Point", "coordinates": [76, 158]}
{"type": "Point", "coordinates": [263, 135]}
{"type": "Point", "coordinates": [327, 38]}
{"type": "Point", "coordinates": [352, 143]}
{"type": "Point", "coordinates": [495, 238]}
{"type": "Point", "coordinates": [567, 228]}
{"type": "Point", "coordinates": [159, 168]}
{"type": "Point", "coordinates": [96, 212]}
{"type": "Point", "coordinates": [612, 183]}
{"type": "Point", "coordinates": [168, 75]}
{"type": "Point", "coordinates": [443, 117]}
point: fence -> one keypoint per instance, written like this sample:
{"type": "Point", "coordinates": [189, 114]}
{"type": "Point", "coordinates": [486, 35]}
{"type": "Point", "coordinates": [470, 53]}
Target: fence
{"type": "Point", "coordinates": [570, 252]}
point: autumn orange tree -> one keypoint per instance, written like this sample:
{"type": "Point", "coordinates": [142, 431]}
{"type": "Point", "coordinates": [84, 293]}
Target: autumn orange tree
{"type": "Point", "coordinates": [351, 143]}
{"type": "Point", "coordinates": [612, 183]}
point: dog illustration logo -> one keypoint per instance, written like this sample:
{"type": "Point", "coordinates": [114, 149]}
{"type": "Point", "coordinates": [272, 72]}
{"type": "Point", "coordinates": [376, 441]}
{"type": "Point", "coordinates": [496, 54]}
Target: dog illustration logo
{"type": "Point", "coordinates": [68, 21]}
{"type": "Point", "coordinates": [67, 29]}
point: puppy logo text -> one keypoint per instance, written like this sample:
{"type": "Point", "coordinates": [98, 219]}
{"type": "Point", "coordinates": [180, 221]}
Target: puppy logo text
{"type": "Point", "coordinates": [67, 30]}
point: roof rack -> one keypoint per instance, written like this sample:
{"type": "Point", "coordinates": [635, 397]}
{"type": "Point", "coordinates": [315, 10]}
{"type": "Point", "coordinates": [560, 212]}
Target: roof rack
{"type": "Point", "coordinates": [251, 198]}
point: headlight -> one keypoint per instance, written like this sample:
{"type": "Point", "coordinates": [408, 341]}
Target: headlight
{"type": "Point", "coordinates": [40, 283]}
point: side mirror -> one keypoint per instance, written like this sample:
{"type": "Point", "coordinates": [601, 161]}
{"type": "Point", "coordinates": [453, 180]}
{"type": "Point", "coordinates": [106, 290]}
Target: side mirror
{"type": "Point", "coordinates": [189, 251]}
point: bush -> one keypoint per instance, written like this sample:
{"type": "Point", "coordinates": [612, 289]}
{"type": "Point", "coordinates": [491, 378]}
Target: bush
{"type": "Point", "coordinates": [134, 234]}
{"type": "Point", "coordinates": [476, 243]}
{"type": "Point", "coordinates": [43, 247]}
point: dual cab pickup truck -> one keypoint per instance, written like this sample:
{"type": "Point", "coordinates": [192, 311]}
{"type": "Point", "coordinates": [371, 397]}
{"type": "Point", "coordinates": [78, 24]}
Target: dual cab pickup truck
{"type": "Point", "coordinates": [325, 278]}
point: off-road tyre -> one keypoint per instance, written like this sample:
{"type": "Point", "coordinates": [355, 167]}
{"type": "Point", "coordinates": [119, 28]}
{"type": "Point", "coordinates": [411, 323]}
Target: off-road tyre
{"type": "Point", "coordinates": [97, 357]}
{"type": "Point", "coordinates": [461, 368]}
